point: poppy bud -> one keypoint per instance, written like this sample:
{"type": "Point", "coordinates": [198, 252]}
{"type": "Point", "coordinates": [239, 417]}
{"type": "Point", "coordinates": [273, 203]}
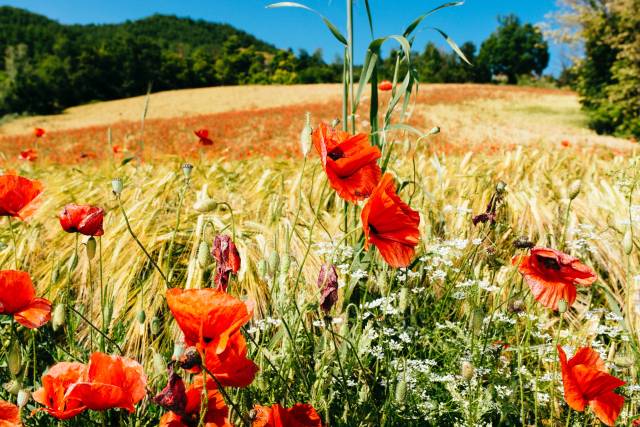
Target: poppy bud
{"type": "Point", "coordinates": [90, 247]}
{"type": "Point", "coordinates": [434, 130]}
{"type": "Point", "coordinates": [627, 241]}
{"type": "Point", "coordinates": [328, 284]}
{"type": "Point", "coordinates": [262, 268]}
{"type": "Point", "coordinates": [141, 317]}
{"type": "Point", "coordinates": [204, 258]}
{"type": "Point", "coordinates": [274, 263]}
{"type": "Point", "coordinates": [501, 187]}
{"type": "Point", "coordinates": [58, 317]}
{"type": "Point", "coordinates": [562, 306]}
{"type": "Point", "coordinates": [401, 389]}
{"type": "Point", "coordinates": [156, 325]}
{"type": "Point", "coordinates": [305, 136]}
{"type": "Point", "coordinates": [190, 358]}
{"type": "Point", "coordinates": [12, 387]}
{"type": "Point", "coordinates": [117, 186]}
{"type": "Point", "coordinates": [73, 262]}
{"type": "Point", "coordinates": [335, 122]}
{"type": "Point", "coordinates": [23, 398]}
{"type": "Point", "coordinates": [186, 170]}
{"type": "Point", "coordinates": [205, 205]}
{"type": "Point", "coordinates": [14, 358]}
{"type": "Point", "coordinates": [574, 189]}
{"type": "Point", "coordinates": [467, 370]}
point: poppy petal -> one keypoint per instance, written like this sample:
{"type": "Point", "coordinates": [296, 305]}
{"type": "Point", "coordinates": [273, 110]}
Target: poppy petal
{"type": "Point", "coordinates": [594, 383]}
{"type": "Point", "coordinates": [36, 314]}
{"type": "Point", "coordinates": [9, 415]}
{"type": "Point", "coordinates": [16, 291]}
{"type": "Point", "coordinates": [607, 407]}
{"type": "Point", "coordinates": [572, 393]}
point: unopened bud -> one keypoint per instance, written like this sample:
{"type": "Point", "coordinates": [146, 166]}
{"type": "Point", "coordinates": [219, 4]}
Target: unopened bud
{"type": "Point", "coordinates": [156, 325]}
{"type": "Point", "coordinates": [574, 189]}
{"type": "Point", "coordinates": [58, 317]}
{"type": "Point", "coordinates": [205, 205]}
{"type": "Point", "coordinates": [186, 170]}
{"type": "Point", "coordinates": [14, 358]}
{"type": "Point", "coordinates": [23, 398]}
{"type": "Point", "coordinates": [274, 262]}
{"type": "Point", "coordinates": [190, 358]}
{"type": "Point", "coordinates": [141, 317]}
{"type": "Point", "coordinates": [117, 186]}
{"type": "Point", "coordinates": [204, 255]}
{"type": "Point", "coordinates": [91, 247]}
{"type": "Point", "coordinates": [501, 187]}
{"type": "Point", "coordinates": [627, 241]}
{"type": "Point", "coordinates": [305, 136]}
{"type": "Point", "coordinates": [562, 306]}
{"type": "Point", "coordinates": [434, 131]}
{"type": "Point", "coordinates": [467, 370]}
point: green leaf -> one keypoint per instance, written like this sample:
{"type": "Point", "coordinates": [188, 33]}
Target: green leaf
{"type": "Point", "coordinates": [366, 5]}
{"type": "Point", "coordinates": [407, 128]}
{"type": "Point", "coordinates": [367, 71]}
{"type": "Point", "coordinates": [127, 160]}
{"type": "Point", "coordinates": [411, 28]}
{"type": "Point", "coordinates": [453, 45]}
{"type": "Point", "coordinates": [334, 30]}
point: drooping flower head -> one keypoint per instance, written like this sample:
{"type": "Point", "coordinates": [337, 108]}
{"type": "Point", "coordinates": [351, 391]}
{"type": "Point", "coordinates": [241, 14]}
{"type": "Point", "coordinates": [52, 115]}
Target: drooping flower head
{"type": "Point", "coordinates": [53, 393]}
{"type": "Point", "coordinates": [83, 219]}
{"type": "Point", "coordinates": [350, 162]}
{"type": "Point", "coordinates": [553, 275]}
{"type": "Point", "coordinates": [211, 319]}
{"type": "Point", "coordinates": [9, 415]}
{"type": "Point", "coordinates": [29, 155]}
{"type": "Point", "coordinates": [328, 284]}
{"type": "Point", "coordinates": [39, 132]}
{"type": "Point", "coordinates": [390, 224]}
{"type": "Point", "coordinates": [188, 415]}
{"type": "Point", "coordinates": [226, 254]}
{"type": "Point", "coordinates": [586, 382]}
{"type": "Point", "coordinates": [203, 136]}
{"type": "Point", "coordinates": [385, 86]}
{"type": "Point", "coordinates": [299, 415]}
{"type": "Point", "coordinates": [18, 196]}
{"type": "Point", "coordinates": [18, 298]}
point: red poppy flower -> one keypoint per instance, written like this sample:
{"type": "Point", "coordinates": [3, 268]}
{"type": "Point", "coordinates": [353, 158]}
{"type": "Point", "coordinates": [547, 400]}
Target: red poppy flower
{"type": "Point", "coordinates": [18, 196]}
{"type": "Point", "coordinates": [29, 155]}
{"type": "Point", "coordinates": [553, 275]}
{"type": "Point", "coordinates": [227, 258]}
{"type": "Point", "coordinates": [390, 224]}
{"type": "Point", "coordinates": [18, 298]}
{"type": "Point", "coordinates": [117, 149]}
{"type": "Point", "coordinates": [110, 382]}
{"type": "Point", "coordinates": [385, 86]}
{"type": "Point", "coordinates": [9, 415]}
{"type": "Point", "coordinates": [349, 161]}
{"type": "Point", "coordinates": [53, 393]}
{"type": "Point", "coordinates": [203, 136]}
{"type": "Point", "coordinates": [83, 219]}
{"type": "Point", "coordinates": [565, 143]}
{"type": "Point", "coordinates": [211, 319]}
{"type": "Point", "coordinates": [299, 415]}
{"type": "Point", "coordinates": [586, 382]}
{"type": "Point", "coordinates": [38, 132]}
{"type": "Point", "coordinates": [217, 411]}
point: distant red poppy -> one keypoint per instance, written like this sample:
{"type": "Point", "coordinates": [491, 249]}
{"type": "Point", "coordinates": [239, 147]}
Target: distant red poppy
{"type": "Point", "coordinates": [29, 155]}
{"type": "Point", "coordinates": [385, 86]}
{"type": "Point", "coordinates": [203, 136]}
{"type": "Point", "coordinates": [227, 258]}
{"type": "Point", "coordinates": [9, 415]}
{"type": "Point", "coordinates": [18, 196]}
{"type": "Point", "coordinates": [110, 382]}
{"type": "Point", "coordinates": [390, 224]}
{"type": "Point", "coordinates": [586, 382]}
{"type": "Point", "coordinates": [53, 393]}
{"type": "Point", "coordinates": [565, 143]}
{"type": "Point", "coordinates": [87, 155]}
{"type": "Point", "coordinates": [553, 275]}
{"type": "Point", "coordinates": [211, 320]}
{"type": "Point", "coordinates": [38, 132]}
{"type": "Point", "coordinates": [83, 219]}
{"type": "Point", "coordinates": [189, 414]}
{"type": "Point", "coordinates": [299, 415]}
{"type": "Point", "coordinates": [18, 298]}
{"type": "Point", "coordinates": [117, 149]}
{"type": "Point", "coordinates": [350, 162]}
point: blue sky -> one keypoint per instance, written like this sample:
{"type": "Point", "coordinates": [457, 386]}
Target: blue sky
{"type": "Point", "coordinates": [295, 28]}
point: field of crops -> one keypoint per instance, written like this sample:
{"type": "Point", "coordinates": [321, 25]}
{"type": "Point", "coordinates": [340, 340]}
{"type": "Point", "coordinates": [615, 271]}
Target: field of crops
{"type": "Point", "coordinates": [255, 279]}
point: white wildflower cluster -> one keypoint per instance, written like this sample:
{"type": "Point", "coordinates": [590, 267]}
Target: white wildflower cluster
{"type": "Point", "coordinates": [466, 286]}
{"type": "Point", "coordinates": [441, 257]}
{"type": "Point", "coordinates": [583, 236]}
{"type": "Point", "coordinates": [383, 305]}
{"type": "Point", "coordinates": [263, 325]}
{"type": "Point", "coordinates": [334, 253]}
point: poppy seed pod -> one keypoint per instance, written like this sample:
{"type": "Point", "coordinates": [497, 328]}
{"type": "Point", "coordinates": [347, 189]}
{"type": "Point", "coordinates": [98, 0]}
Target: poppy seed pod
{"type": "Point", "coordinates": [562, 306]}
{"type": "Point", "coordinates": [58, 317]}
{"type": "Point", "coordinates": [574, 189]}
{"type": "Point", "coordinates": [90, 247]}
{"type": "Point", "coordinates": [205, 205]}
{"type": "Point", "coordinates": [627, 241]}
{"type": "Point", "coordinates": [141, 317]}
{"type": "Point", "coordinates": [434, 131]}
{"type": "Point", "coordinates": [305, 136]}
{"type": "Point", "coordinates": [23, 398]}
{"type": "Point", "coordinates": [117, 186]}
{"type": "Point", "coordinates": [204, 257]}
{"type": "Point", "coordinates": [156, 325]}
{"type": "Point", "coordinates": [187, 168]}
{"type": "Point", "coordinates": [190, 358]}
{"type": "Point", "coordinates": [14, 358]}
{"type": "Point", "coordinates": [501, 187]}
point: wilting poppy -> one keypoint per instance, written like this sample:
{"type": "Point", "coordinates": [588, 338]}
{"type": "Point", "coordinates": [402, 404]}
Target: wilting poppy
{"type": "Point", "coordinates": [38, 132]}
{"type": "Point", "coordinates": [203, 136]}
{"type": "Point", "coordinates": [553, 275]}
{"type": "Point", "coordinates": [18, 196]}
{"type": "Point", "coordinates": [173, 396]}
{"type": "Point", "coordinates": [211, 320]}
{"type": "Point", "coordinates": [53, 393]}
{"type": "Point", "coordinates": [83, 219]}
{"type": "Point", "coordinates": [9, 415]}
{"type": "Point", "coordinates": [390, 224]}
{"type": "Point", "coordinates": [385, 86]}
{"type": "Point", "coordinates": [189, 415]}
{"type": "Point", "coordinates": [350, 162]}
{"type": "Point", "coordinates": [299, 415]}
{"type": "Point", "coordinates": [328, 284]}
{"type": "Point", "coordinates": [110, 382]}
{"type": "Point", "coordinates": [18, 298]}
{"type": "Point", "coordinates": [586, 382]}
{"type": "Point", "coordinates": [227, 258]}
{"type": "Point", "coordinates": [29, 155]}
